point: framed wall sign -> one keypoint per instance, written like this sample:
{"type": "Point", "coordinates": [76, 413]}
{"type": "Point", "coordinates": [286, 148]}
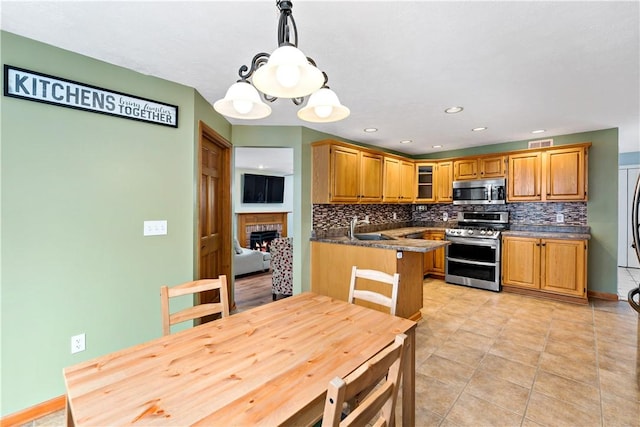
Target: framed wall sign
{"type": "Point", "coordinates": [34, 86]}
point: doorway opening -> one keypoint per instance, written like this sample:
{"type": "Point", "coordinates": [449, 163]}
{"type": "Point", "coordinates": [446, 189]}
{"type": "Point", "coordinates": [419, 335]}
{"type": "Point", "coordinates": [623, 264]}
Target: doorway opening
{"type": "Point", "coordinates": [272, 215]}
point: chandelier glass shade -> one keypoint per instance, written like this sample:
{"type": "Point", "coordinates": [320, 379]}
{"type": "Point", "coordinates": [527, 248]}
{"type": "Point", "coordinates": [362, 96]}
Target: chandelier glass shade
{"type": "Point", "coordinates": [242, 101]}
{"type": "Point", "coordinates": [323, 107]}
{"type": "Point", "coordinates": [286, 73]}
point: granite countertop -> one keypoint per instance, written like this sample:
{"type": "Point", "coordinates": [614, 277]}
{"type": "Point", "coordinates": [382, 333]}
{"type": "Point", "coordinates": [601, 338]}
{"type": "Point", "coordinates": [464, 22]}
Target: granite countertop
{"type": "Point", "coordinates": [398, 243]}
{"type": "Point", "coordinates": [568, 232]}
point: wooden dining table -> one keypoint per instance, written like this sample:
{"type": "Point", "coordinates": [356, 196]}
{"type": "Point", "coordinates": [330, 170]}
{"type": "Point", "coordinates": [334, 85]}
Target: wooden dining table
{"type": "Point", "coordinates": [266, 366]}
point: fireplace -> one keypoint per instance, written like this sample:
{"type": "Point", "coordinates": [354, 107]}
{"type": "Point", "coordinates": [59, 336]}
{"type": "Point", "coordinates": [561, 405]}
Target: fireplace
{"type": "Point", "coordinates": [260, 240]}
{"type": "Point", "coordinates": [252, 222]}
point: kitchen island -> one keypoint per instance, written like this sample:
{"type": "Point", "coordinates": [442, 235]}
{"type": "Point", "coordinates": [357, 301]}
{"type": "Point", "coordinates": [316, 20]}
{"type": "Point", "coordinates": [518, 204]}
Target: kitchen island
{"type": "Point", "coordinates": [332, 259]}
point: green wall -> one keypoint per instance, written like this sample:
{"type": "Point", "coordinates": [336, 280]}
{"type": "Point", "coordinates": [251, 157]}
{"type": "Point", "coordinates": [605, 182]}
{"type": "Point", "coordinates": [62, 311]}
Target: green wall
{"type": "Point", "coordinates": [75, 189]}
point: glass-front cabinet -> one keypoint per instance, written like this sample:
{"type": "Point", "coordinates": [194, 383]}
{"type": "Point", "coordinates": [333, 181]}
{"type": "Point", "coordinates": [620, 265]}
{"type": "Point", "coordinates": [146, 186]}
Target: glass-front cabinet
{"type": "Point", "coordinates": [425, 177]}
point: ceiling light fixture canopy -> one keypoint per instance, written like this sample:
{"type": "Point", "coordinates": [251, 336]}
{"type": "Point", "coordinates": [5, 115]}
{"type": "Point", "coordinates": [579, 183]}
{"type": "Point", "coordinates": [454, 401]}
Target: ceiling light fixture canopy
{"type": "Point", "coordinates": [453, 110]}
{"type": "Point", "coordinates": [286, 73]}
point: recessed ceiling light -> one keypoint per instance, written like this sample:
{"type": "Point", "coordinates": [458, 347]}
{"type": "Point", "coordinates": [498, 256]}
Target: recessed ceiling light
{"type": "Point", "coordinates": [453, 110]}
{"type": "Point", "coordinates": [371, 130]}
{"type": "Point", "coordinates": [538, 131]}
{"type": "Point", "coordinates": [437, 146]}
{"type": "Point", "coordinates": [260, 166]}
{"type": "Point", "coordinates": [406, 141]}
{"type": "Point", "coordinates": [479, 129]}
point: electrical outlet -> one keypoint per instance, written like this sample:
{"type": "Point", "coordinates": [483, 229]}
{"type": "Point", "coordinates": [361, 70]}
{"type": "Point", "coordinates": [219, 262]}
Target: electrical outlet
{"type": "Point", "coordinates": [395, 216]}
{"type": "Point", "coordinates": [559, 217]}
{"type": "Point", "coordinates": [366, 217]}
{"type": "Point", "coordinates": [77, 343]}
{"type": "Point", "coordinates": [445, 216]}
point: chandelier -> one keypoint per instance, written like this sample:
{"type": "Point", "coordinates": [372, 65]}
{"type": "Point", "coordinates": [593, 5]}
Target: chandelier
{"type": "Point", "coordinates": [286, 73]}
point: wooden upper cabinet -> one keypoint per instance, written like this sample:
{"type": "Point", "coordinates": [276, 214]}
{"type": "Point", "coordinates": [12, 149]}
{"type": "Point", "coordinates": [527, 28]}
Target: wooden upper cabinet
{"type": "Point", "coordinates": [566, 174]}
{"type": "Point", "coordinates": [407, 181]}
{"type": "Point", "coordinates": [524, 177]}
{"type": "Point", "coordinates": [343, 174]}
{"type": "Point", "coordinates": [491, 167]}
{"type": "Point", "coordinates": [478, 168]}
{"type": "Point", "coordinates": [391, 181]}
{"type": "Point", "coordinates": [434, 182]}
{"type": "Point", "coordinates": [425, 173]}
{"type": "Point", "coordinates": [370, 186]}
{"type": "Point", "coordinates": [465, 169]}
{"type": "Point", "coordinates": [398, 180]}
{"type": "Point", "coordinates": [444, 181]}
{"type": "Point", "coordinates": [550, 175]}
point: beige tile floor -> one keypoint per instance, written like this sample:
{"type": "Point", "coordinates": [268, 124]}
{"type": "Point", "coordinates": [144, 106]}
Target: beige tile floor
{"type": "Point", "coordinates": [628, 278]}
{"type": "Point", "coordinates": [499, 359]}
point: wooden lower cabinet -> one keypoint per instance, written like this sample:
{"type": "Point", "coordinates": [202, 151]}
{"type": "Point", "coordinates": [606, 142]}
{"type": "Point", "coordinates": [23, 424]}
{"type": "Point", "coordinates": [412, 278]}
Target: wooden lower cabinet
{"type": "Point", "coordinates": [331, 266]}
{"type": "Point", "coordinates": [547, 267]}
{"type": "Point", "coordinates": [434, 260]}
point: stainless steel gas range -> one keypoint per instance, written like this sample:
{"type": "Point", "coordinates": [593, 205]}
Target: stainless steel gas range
{"type": "Point", "coordinates": [473, 257]}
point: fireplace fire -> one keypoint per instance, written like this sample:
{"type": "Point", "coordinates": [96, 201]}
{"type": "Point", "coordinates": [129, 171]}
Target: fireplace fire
{"type": "Point", "coordinates": [261, 240]}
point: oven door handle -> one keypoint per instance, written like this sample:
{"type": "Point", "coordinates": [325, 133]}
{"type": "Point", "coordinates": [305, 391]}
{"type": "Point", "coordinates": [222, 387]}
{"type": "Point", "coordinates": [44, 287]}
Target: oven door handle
{"type": "Point", "coordinates": [492, 243]}
{"type": "Point", "coordinates": [466, 261]}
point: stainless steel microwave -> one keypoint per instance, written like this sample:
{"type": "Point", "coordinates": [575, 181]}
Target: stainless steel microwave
{"type": "Point", "coordinates": [479, 192]}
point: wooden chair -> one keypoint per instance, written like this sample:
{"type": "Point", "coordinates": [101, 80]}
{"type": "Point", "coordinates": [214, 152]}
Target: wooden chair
{"type": "Point", "coordinates": [367, 385]}
{"type": "Point", "coordinates": [196, 311]}
{"type": "Point", "coordinates": [371, 296]}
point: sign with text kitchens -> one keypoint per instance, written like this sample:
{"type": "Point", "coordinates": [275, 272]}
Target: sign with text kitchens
{"type": "Point", "coordinates": [25, 84]}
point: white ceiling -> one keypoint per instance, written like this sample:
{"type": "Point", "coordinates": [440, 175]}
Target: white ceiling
{"type": "Point", "coordinates": [514, 66]}
{"type": "Point", "coordinates": [276, 160]}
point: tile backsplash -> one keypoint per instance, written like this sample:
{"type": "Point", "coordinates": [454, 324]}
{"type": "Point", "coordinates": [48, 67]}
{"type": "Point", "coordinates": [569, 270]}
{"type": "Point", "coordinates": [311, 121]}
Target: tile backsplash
{"type": "Point", "coordinates": [575, 213]}
{"type": "Point", "coordinates": [334, 220]}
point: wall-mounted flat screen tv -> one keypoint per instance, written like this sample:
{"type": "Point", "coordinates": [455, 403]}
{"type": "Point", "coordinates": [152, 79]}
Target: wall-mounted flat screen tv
{"type": "Point", "coordinates": [262, 188]}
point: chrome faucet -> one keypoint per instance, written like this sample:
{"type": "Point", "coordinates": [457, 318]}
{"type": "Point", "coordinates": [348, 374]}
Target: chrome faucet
{"type": "Point", "coordinates": [354, 222]}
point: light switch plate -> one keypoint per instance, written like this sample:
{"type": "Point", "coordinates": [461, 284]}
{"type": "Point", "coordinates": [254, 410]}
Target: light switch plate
{"type": "Point", "coordinates": [155, 228]}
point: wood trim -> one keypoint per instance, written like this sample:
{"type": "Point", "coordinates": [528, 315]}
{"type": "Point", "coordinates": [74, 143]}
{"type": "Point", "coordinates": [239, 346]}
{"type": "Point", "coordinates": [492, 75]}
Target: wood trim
{"type": "Point", "coordinates": [37, 411]}
{"type": "Point", "coordinates": [603, 295]}
{"type": "Point", "coordinates": [544, 295]}
{"type": "Point", "coordinates": [206, 132]}
{"type": "Point", "coordinates": [259, 218]}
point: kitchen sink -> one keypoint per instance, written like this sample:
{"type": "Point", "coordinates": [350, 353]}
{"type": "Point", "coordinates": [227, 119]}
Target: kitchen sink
{"type": "Point", "coordinates": [372, 236]}
{"type": "Point", "coordinates": [414, 236]}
